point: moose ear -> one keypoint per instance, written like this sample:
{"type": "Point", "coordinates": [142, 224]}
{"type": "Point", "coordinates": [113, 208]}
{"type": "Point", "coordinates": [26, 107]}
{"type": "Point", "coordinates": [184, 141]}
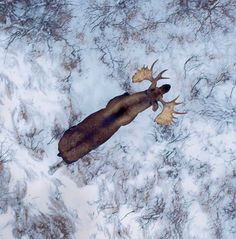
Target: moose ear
{"type": "Point", "coordinates": [154, 106]}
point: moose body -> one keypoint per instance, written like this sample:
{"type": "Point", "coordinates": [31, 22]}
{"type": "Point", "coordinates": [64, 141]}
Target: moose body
{"type": "Point", "coordinates": [98, 127]}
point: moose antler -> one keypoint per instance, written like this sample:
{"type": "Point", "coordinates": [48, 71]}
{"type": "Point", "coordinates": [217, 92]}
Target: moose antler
{"type": "Point", "coordinates": [144, 73]}
{"type": "Point", "coordinates": [166, 117]}
{"type": "Point", "coordinates": [147, 74]}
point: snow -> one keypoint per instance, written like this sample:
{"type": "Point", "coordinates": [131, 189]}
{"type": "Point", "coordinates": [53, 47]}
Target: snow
{"type": "Point", "coordinates": [147, 181]}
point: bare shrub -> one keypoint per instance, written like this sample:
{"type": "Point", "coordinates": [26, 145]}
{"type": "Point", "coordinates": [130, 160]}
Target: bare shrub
{"type": "Point", "coordinates": [31, 140]}
{"type": "Point", "coordinates": [127, 18]}
{"type": "Point", "coordinates": [128, 22]}
{"type": "Point", "coordinates": [5, 176]}
{"type": "Point", "coordinates": [21, 212]}
{"type": "Point", "coordinates": [117, 66]}
{"type": "Point", "coordinates": [153, 212]}
{"type": "Point", "coordinates": [56, 132]}
{"type": "Point", "coordinates": [222, 114]}
{"type": "Point", "coordinates": [55, 224]}
{"type": "Point", "coordinates": [51, 227]}
{"type": "Point", "coordinates": [35, 20]}
{"type": "Point", "coordinates": [199, 169]}
{"type": "Point", "coordinates": [75, 115]}
{"type": "Point", "coordinates": [169, 134]}
{"type": "Point", "coordinates": [177, 213]}
{"type": "Point", "coordinates": [10, 86]}
{"type": "Point", "coordinates": [26, 131]}
{"type": "Point", "coordinates": [106, 14]}
{"type": "Point", "coordinates": [210, 83]}
{"type": "Point", "coordinates": [217, 197]}
{"type": "Point", "coordinates": [206, 15]}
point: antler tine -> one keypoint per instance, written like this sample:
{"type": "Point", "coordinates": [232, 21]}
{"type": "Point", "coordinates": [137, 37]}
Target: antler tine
{"type": "Point", "coordinates": [174, 100]}
{"type": "Point", "coordinates": [177, 103]}
{"type": "Point", "coordinates": [154, 64]}
{"type": "Point", "coordinates": [180, 113]}
{"type": "Point", "coordinates": [159, 76]}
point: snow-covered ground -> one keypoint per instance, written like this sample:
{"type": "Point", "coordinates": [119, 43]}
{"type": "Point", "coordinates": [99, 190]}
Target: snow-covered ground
{"type": "Point", "coordinates": [148, 181]}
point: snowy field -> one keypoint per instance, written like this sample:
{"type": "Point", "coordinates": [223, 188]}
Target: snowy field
{"type": "Point", "coordinates": [62, 60]}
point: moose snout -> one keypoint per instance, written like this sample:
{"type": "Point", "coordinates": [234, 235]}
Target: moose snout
{"type": "Point", "coordinates": [165, 88]}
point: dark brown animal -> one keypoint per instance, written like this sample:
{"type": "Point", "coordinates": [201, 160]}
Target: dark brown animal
{"type": "Point", "coordinates": [98, 127]}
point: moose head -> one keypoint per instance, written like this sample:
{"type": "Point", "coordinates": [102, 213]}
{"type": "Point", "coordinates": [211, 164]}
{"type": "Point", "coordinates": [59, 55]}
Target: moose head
{"type": "Point", "coordinates": [155, 94]}
{"type": "Point", "coordinates": [98, 127]}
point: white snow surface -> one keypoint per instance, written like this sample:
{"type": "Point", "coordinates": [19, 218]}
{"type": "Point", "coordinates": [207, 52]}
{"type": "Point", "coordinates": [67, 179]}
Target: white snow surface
{"type": "Point", "coordinates": [147, 181]}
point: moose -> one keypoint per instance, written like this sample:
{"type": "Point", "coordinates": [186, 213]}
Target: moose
{"type": "Point", "coordinates": [98, 127]}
